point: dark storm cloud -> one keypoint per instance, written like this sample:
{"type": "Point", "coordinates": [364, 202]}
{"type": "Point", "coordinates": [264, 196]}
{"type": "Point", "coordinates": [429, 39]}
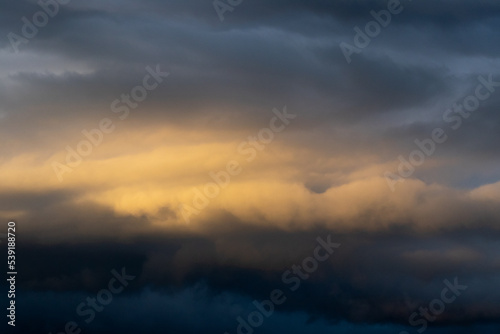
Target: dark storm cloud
{"type": "Point", "coordinates": [199, 55]}
{"type": "Point", "coordinates": [372, 278]}
{"type": "Point", "coordinates": [189, 311]}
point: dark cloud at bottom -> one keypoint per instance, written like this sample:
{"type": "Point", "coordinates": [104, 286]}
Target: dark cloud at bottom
{"type": "Point", "coordinates": [371, 284]}
{"type": "Point", "coordinates": [187, 312]}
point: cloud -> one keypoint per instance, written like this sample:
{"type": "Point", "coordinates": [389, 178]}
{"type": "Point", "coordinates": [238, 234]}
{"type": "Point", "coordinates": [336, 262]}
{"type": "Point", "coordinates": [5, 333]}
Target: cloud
{"type": "Point", "coordinates": [123, 205]}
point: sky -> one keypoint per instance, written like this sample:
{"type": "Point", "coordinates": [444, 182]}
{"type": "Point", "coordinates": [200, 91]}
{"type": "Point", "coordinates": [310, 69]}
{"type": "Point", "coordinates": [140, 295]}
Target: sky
{"type": "Point", "coordinates": [229, 166]}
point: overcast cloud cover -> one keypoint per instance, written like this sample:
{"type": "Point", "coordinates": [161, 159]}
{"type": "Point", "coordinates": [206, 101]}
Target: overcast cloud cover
{"type": "Point", "coordinates": [333, 171]}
